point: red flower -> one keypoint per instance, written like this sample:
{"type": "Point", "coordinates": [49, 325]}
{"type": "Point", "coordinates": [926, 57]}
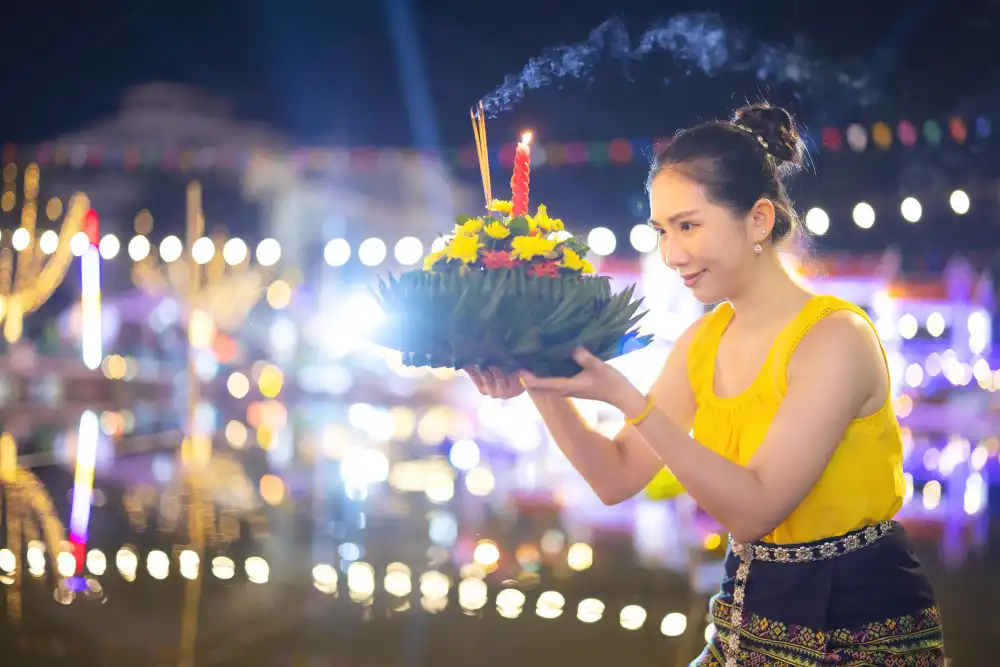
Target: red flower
{"type": "Point", "coordinates": [498, 259]}
{"type": "Point", "coordinates": [548, 269]}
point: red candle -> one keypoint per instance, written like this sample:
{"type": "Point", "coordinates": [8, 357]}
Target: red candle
{"type": "Point", "coordinates": [522, 175]}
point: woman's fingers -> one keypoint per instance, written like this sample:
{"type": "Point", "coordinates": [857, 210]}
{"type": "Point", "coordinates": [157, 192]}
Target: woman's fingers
{"type": "Point", "coordinates": [492, 387]}
{"type": "Point", "coordinates": [508, 386]}
{"type": "Point", "coordinates": [494, 383]}
{"type": "Point", "coordinates": [477, 379]}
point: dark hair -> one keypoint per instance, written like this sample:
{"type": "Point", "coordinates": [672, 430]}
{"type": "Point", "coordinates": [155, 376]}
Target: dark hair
{"type": "Point", "coordinates": [741, 161]}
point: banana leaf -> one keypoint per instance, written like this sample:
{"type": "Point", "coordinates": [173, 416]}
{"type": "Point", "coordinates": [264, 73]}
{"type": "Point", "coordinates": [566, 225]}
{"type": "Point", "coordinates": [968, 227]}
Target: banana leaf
{"type": "Point", "coordinates": [506, 318]}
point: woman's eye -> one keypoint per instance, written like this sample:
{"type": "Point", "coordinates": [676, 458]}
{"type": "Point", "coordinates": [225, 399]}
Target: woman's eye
{"type": "Point", "coordinates": [686, 226]}
{"type": "Point", "coordinates": [659, 232]}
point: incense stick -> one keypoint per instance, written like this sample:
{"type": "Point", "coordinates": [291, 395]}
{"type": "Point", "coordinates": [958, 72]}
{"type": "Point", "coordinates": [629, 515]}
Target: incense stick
{"type": "Point", "coordinates": [486, 154]}
{"type": "Point", "coordinates": [479, 132]}
{"type": "Point", "coordinates": [479, 152]}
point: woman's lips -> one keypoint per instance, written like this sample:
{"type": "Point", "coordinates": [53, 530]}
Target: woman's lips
{"type": "Point", "coordinates": [691, 279]}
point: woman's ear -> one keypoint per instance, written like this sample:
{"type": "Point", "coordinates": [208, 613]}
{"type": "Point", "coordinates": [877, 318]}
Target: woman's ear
{"type": "Point", "coordinates": [760, 220]}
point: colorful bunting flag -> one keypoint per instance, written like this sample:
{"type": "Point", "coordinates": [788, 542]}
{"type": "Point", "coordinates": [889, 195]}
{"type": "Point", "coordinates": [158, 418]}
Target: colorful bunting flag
{"type": "Point", "coordinates": [856, 138]}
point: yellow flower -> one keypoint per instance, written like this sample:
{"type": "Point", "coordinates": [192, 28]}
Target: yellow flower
{"type": "Point", "coordinates": [571, 260]}
{"type": "Point", "coordinates": [470, 227]}
{"type": "Point", "coordinates": [547, 224]}
{"type": "Point", "coordinates": [432, 259]}
{"type": "Point", "coordinates": [528, 247]}
{"type": "Point", "coordinates": [587, 267]}
{"type": "Point", "coordinates": [501, 206]}
{"type": "Point", "coordinates": [464, 248]}
{"type": "Point", "coordinates": [497, 230]}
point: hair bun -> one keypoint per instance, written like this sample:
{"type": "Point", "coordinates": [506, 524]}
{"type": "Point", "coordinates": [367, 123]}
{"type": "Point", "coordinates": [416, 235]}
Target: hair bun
{"type": "Point", "coordinates": [776, 127]}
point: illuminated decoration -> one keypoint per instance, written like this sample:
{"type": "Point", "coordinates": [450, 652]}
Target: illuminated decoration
{"type": "Point", "coordinates": [856, 137]}
{"type": "Point", "coordinates": [26, 506]}
{"type": "Point", "coordinates": [218, 286]}
{"type": "Point", "coordinates": [214, 280]}
{"type": "Point", "coordinates": [90, 295]}
{"type": "Point", "coordinates": [83, 486]}
{"type": "Point", "coordinates": [35, 264]}
{"type": "Point", "coordinates": [212, 276]}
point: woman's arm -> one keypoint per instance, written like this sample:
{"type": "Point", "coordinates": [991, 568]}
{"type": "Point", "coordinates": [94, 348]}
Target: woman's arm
{"type": "Point", "coordinates": [620, 467]}
{"type": "Point", "coordinates": [836, 370]}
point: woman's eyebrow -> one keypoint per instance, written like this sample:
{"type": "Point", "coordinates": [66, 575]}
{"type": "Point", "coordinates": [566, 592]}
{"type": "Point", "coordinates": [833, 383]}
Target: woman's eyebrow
{"type": "Point", "coordinates": [674, 218]}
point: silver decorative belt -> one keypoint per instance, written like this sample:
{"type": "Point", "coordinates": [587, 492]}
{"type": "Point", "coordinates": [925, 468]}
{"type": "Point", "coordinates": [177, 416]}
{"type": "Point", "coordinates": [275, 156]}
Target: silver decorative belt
{"type": "Point", "coordinates": [825, 550]}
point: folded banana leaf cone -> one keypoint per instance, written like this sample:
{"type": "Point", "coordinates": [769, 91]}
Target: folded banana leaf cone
{"type": "Point", "coordinates": [506, 317]}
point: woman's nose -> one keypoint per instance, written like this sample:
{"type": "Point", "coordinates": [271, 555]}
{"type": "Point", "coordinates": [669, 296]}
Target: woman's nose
{"type": "Point", "coordinates": [673, 255]}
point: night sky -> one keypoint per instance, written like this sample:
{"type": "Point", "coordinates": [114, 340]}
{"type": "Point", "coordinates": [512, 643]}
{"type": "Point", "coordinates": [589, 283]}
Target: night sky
{"type": "Point", "coordinates": [327, 72]}
{"type": "Point", "coordinates": [403, 73]}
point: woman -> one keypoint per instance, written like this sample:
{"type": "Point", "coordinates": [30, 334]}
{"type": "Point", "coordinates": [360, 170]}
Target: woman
{"type": "Point", "coordinates": [794, 446]}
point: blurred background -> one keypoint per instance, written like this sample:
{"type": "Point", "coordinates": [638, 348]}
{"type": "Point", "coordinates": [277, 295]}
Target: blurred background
{"type": "Point", "coordinates": [204, 462]}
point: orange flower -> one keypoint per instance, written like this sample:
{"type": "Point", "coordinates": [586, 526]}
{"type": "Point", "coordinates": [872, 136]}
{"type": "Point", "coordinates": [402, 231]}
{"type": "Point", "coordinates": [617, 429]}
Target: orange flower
{"type": "Point", "coordinates": [547, 269]}
{"type": "Point", "coordinates": [498, 259]}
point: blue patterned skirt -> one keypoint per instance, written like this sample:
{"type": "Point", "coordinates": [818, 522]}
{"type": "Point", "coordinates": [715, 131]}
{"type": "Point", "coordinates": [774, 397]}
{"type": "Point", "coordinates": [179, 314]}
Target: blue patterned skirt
{"type": "Point", "coordinates": [861, 599]}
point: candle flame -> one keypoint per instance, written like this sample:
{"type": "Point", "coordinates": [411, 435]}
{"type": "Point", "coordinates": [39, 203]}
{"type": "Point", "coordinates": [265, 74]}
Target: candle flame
{"type": "Point", "coordinates": [526, 138]}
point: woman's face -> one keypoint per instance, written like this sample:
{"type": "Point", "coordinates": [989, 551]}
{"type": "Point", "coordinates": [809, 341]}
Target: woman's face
{"type": "Point", "coordinates": [709, 246]}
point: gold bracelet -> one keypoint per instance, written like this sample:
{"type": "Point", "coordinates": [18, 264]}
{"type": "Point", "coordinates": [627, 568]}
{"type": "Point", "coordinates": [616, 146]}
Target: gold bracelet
{"type": "Point", "coordinates": [635, 421]}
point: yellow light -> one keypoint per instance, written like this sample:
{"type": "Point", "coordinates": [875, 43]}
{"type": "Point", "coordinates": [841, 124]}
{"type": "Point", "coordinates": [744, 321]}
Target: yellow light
{"type": "Point", "coordinates": [236, 434]}
{"type": "Point", "coordinates": [114, 367]}
{"type": "Point", "coordinates": [20, 239]}
{"type": "Point", "coordinates": [279, 294]}
{"type": "Point", "coordinates": [272, 489]}
{"type": "Point", "coordinates": [235, 251]}
{"type": "Point", "coordinates": [53, 209]}
{"type": "Point", "coordinates": [486, 553]}
{"type": "Point", "coordinates": [580, 556]}
{"type": "Point", "coordinates": [201, 330]}
{"type": "Point", "coordinates": [270, 381]}
{"type": "Point", "coordinates": [8, 457]}
{"type": "Point", "coordinates": [138, 248]}
{"type": "Point", "coordinates": [171, 249]}
{"type": "Point", "coordinates": [202, 250]}
{"type": "Point", "coordinates": [48, 242]}
{"type": "Point", "coordinates": [265, 438]}
{"type": "Point", "coordinates": [526, 138]}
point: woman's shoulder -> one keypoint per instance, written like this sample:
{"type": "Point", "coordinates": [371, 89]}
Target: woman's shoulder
{"type": "Point", "coordinates": [830, 320]}
{"type": "Point", "coordinates": [840, 332]}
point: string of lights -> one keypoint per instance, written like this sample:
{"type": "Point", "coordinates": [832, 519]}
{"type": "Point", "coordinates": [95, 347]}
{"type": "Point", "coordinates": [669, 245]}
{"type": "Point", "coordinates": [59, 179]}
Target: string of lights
{"type": "Point", "coordinates": [408, 250]}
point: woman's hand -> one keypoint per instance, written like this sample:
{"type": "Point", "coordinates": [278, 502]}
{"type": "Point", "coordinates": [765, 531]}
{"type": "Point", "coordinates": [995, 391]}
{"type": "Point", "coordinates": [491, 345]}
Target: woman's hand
{"type": "Point", "coordinates": [494, 383]}
{"type": "Point", "coordinates": [597, 381]}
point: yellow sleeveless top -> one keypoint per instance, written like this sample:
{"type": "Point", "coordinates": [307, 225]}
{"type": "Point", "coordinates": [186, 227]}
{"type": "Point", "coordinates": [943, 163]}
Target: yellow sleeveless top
{"type": "Point", "coordinates": [863, 481]}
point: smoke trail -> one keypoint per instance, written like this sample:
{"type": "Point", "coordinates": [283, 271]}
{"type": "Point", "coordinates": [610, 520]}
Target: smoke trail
{"type": "Point", "coordinates": [698, 43]}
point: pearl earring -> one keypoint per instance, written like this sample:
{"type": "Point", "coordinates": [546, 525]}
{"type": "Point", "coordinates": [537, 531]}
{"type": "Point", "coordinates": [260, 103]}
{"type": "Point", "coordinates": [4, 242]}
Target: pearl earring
{"type": "Point", "coordinates": [757, 248]}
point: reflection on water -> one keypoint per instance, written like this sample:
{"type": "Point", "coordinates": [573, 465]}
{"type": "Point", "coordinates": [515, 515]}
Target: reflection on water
{"type": "Point", "coordinates": [370, 533]}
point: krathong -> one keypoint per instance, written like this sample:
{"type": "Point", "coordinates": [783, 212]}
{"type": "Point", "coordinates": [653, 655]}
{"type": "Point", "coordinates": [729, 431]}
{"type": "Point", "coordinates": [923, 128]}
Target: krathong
{"type": "Point", "coordinates": [509, 290]}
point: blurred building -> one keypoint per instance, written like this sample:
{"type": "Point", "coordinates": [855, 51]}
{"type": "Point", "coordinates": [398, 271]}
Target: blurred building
{"type": "Point", "coordinates": [373, 202]}
{"type": "Point", "coordinates": [183, 128]}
